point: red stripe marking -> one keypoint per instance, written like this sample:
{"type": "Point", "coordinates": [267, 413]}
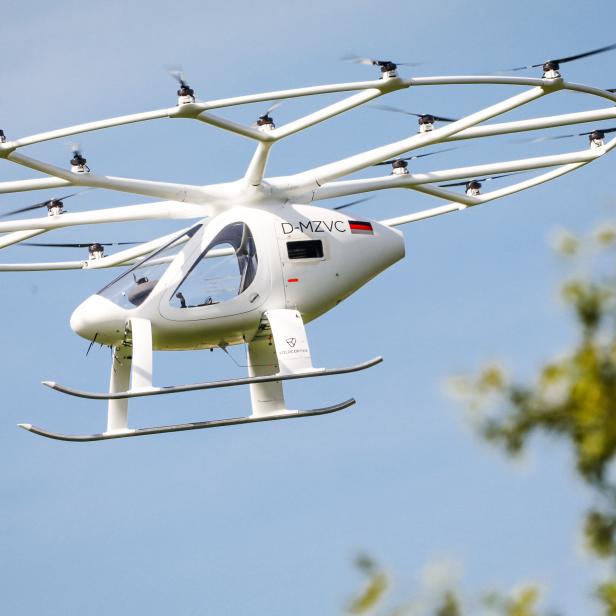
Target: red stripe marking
{"type": "Point", "coordinates": [293, 280]}
{"type": "Point", "coordinates": [362, 227]}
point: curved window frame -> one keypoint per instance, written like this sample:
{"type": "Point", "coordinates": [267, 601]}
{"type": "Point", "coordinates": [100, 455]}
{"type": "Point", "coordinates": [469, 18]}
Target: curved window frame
{"type": "Point", "coordinates": [247, 261]}
{"type": "Point", "coordinates": [104, 292]}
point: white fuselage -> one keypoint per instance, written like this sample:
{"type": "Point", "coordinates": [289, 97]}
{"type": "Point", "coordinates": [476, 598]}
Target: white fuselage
{"type": "Point", "coordinates": [307, 258]}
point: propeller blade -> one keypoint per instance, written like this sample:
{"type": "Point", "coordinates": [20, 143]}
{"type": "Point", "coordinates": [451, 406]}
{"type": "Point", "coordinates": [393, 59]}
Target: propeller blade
{"type": "Point", "coordinates": [430, 153]}
{"type": "Point", "coordinates": [176, 71]}
{"type": "Point", "coordinates": [373, 62]}
{"type": "Point", "coordinates": [25, 209]}
{"type": "Point", "coordinates": [418, 115]}
{"type": "Point", "coordinates": [83, 245]}
{"type": "Point", "coordinates": [75, 147]}
{"type": "Point", "coordinates": [567, 58]}
{"type": "Point", "coordinates": [393, 160]}
{"type": "Point", "coordinates": [586, 54]}
{"type": "Point", "coordinates": [358, 59]}
{"type": "Point", "coordinates": [555, 137]}
{"type": "Point", "coordinates": [443, 119]}
{"type": "Point", "coordinates": [602, 130]}
{"type": "Point", "coordinates": [541, 139]}
{"type": "Point", "coordinates": [492, 177]}
{"type": "Point", "coordinates": [274, 105]}
{"type": "Point", "coordinates": [39, 205]}
{"type": "Point", "coordinates": [341, 207]}
{"type": "Point", "coordinates": [394, 109]}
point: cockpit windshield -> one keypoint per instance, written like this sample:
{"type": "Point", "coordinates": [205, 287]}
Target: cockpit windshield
{"type": "Point", "coordinates": [131, 288]}
{"type": "Point", "coordinates": [224, 269]}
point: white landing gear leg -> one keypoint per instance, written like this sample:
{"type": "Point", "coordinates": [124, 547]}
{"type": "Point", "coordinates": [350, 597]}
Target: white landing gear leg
{"type": "Point", "coordinates": [117, 413]}
{"type": "Point", "coordinates": [284, 352]}
{"type": "Point", "coordinates": [267, 398]}
{"type": "Point", "coordinates": [131, 365]}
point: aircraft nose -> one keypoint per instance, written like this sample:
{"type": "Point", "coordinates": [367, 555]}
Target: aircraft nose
{"type": "Point", "coordinates": [97, 316]}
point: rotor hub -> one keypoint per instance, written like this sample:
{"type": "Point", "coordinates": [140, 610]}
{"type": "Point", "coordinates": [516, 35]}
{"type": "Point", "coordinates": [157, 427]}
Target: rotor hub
{"type": "Point", "coordinates": [596, 138]}
{"type": "Point", "coordinates": [55, 207]}
{"type": "Point", "coordinates": [95, 251]}
{"type": "Point", "coordinates": [426, 123]}
{"type": "Point", "coordinates": [265, 123]}
{"type": "Point", "coordinates": [473, 188]}
{"type": "Point", "coordinates": [399, 167]}
{"type": "Point", "coordinates": [596, 135]}
{"type": "Point", "coordinates": [78, 163]}
{"type": "Point", "coordinates": [426, 119]}
{"type": "Point", "coordinates": [186, 94]}
{"type": "Point", "coordinates": [388, 68]}
{"type": "Point", "coordinates": [551, 69]}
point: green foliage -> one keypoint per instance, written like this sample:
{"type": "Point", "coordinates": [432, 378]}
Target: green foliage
{"type": "Point", "coordinates": [522, 603]}
{"type": "Point", "coordinates": [573, 399]}
{"type": "Point", "coordinates": [449, 605]}
{"type": "Point", "coordinates": [606, 593]}
{"type": "Point", "coordinates": [374, 588]}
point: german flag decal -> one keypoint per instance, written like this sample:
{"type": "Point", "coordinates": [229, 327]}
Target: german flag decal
{"type": "Point", "coordinates": [358, 226]}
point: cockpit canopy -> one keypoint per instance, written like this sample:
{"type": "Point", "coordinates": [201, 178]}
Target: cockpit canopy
{"type": "Point", "coordinates": [222, 271]}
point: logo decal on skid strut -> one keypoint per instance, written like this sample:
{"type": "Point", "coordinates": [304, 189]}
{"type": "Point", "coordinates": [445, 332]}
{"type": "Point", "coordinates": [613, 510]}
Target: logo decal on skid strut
{"type": "Point", "coordinates": [291, 342]}
{"type": "Point", "coordinates": [314, 226]}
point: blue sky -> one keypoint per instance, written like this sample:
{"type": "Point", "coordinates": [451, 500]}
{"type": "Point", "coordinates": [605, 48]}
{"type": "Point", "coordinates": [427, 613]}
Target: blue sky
{"type": "Point", "coordinates": [267, 518]}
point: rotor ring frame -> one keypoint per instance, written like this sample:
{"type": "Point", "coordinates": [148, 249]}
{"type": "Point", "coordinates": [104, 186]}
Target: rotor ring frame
{"type": "Point", "coordinates": [192, 201]}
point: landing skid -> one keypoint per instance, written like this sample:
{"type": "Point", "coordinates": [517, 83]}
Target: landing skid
{"type": "Point", "coordinates": [199, 425]}
{"type": "Point", "coordinates": [174, 389]}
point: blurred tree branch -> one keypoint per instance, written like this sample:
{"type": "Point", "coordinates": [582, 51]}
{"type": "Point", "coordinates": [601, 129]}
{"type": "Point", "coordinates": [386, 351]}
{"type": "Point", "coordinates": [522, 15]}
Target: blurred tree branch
{"type": "Point", "coordinates": [572, 398]}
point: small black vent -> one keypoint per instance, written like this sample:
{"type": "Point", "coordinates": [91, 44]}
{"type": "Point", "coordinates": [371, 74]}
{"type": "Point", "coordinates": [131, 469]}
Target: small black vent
{"type": "Point", "coordinates": [308, 249]}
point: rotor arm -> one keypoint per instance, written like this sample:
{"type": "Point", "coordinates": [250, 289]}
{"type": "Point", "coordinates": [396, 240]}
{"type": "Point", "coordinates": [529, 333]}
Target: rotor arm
{"type": "Point", "coordinates": [87, 127]}
{"type": "Point", "coordinates": [120, 258]}
{"type": "Point", "coordinates": [353, 187]}
{"type": "Point", "coordinates": [160, 190]}
{"type": "Point", "coordinates": [129, 256]}
{"type": "Point", "coordinates": [234, 127]}
{"type": "Point", "coordinates": [126, 256]}
{"type": "Point", "coordinates": [379, 84]}
{"type": "Point", "coordinates": [505, 128]}
{"type": "Point", "coordinates": [41, 267]}
{"type": "Point", "coordinates": [452, 80]}
{"type": "Point", "coordinates": [326, 113]}
{"type": "Point", "coordinates": [461, 202]}
{"type": "Point", "coordinates": [9, 239]}
{"type": "Point", "coordinates": [311, 179]}
{"type": "Point", "coordinates": [511, 166]}
{"type": "Point", "coordinates": [191, 111]}
{"type": "Point", "coordinates": [163, 210]}
{"type": "Point", "coordinates": [34, 184]}
{"type": "Point", "coordinates": [256, 169]}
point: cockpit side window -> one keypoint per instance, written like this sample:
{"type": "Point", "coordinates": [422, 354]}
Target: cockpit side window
{"type": "Point", "coordinates": [133, 287]}
{"type": "Point", "coordinates": [225, 269]}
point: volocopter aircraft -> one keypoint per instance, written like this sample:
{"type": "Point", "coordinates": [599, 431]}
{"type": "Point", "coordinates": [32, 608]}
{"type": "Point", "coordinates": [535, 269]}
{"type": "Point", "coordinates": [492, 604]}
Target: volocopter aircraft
{"type": "Point", "coordinates": [260, 260]}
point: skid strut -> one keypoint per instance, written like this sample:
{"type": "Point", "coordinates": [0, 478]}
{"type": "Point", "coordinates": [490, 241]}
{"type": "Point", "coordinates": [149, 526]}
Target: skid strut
{"type": "Point", "coordinates": [273, 358]}
{"type": "Point", "coordinates": [199, 425]}
{"type": "Point", "coordinates": [175, 389]}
